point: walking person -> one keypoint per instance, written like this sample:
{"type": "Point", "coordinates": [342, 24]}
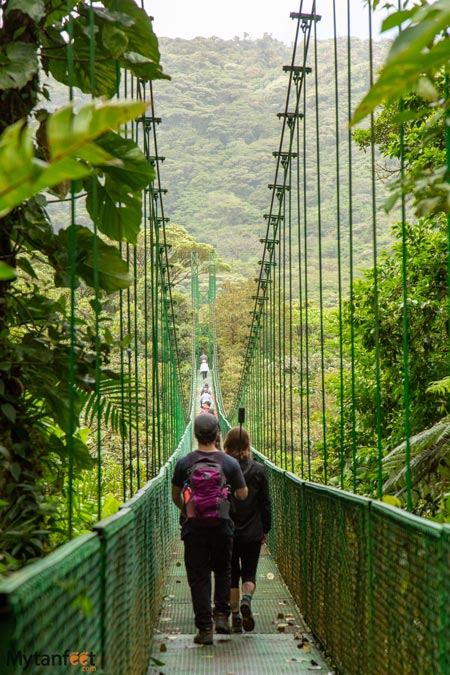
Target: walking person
{"type": "Point", "coordinates": [252, 521]}
{"type": "Point", "coordinates": [207, 531]}
{"type": "Point", "coordinates": [206, 398]}
{"type": "Point", "coordinates": [204, 369]}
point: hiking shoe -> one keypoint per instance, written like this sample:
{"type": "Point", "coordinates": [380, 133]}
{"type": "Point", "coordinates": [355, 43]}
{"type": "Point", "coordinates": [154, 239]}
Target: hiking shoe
{"type": "Point", "coordinates": [248, 621]}
{"type": "Point", "coordinates": [222, 624]}
{"type": "Point", "coordinates": [204, 636]}
{"type": "Point", "coordinates": [236, 623]}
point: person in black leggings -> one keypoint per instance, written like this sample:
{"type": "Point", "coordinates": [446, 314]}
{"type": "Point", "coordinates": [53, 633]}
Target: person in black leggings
{"type": "Point", "coordinates": [252, 521]}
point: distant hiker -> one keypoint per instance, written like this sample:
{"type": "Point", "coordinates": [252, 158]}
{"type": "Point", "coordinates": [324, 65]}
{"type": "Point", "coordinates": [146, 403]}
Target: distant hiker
{"type": "Point", "coordinates": [207, 409]}
{"type": "Point", "coordinates": [207, 535]}
{"type": "Point", "coordinates": [203, 358]}
{"type": "Point", "coordinates": [204, 369]}
{"type": "Point", "coordinates": [206, 398]}
{"type": "Point", "coordinates": [205, 389]}
{"type": "Point", "coordinates": [252, 522]}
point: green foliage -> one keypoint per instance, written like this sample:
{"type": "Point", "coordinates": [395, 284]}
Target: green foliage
{"type": "Point", "coordinates": [121, 37]}
{"type": "Point", "coordinates": [419, 52]}
{"type": "Point", "coordinates": [106, 404]}
{"type": "Point", "coordinates": [233, 307]}
{"type": "Point", "coordinates": [378, 321]}
{"type": "Point", "coordinates": [182, 245]}
{"type": "Point", "coordinates": [430, 470]}
{"type": "Point", "coordinates": [50, 359]}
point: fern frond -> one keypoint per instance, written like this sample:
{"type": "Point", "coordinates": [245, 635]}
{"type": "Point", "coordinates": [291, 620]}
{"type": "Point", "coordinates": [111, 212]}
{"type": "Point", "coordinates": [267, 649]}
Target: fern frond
{"type": "Point", "coordinates": [426, 448]}
{"type": "Point", "coordinates": [110, 404]}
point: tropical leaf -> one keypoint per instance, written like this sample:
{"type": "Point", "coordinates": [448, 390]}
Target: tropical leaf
{"type": "Point", "coordinates": [70, 136]}
{"type": "Point", "coordinates": [35, 9]}
{"type": "Point", "coordinates": [19, 64]}
{"type": "Point", "coordinates": [418, 48]}
{"type": "Point", "coordinates": [95, 261]}
{"type": "Point", "coordinates": [6, 272]}
{"type": "Point", "coordinates": [111, 404]}
{"type": "Point", "coordinates": [426, 448]}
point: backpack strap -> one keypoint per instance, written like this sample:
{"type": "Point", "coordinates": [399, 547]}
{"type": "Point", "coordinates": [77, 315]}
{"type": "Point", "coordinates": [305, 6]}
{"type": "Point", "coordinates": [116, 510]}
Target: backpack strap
{"type": "Point", "coordinates": [217, 457]}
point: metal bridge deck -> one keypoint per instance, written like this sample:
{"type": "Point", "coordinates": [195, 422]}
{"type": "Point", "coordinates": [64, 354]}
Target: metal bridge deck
{"type": "Point", "coordinates": [281, 642]}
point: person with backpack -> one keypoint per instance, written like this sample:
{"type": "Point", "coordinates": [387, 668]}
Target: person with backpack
{"type": "Point", "coordinates": [201, 483]}
{"type": "Point", "coordinates": [252, 522]}
{"type": "Point", "coordinates": [206, 398]}
{"type": "Point", "coordinates": [205, 389]}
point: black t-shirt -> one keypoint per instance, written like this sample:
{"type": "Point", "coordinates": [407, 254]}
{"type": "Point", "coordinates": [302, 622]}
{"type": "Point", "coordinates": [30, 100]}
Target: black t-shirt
{"type": "Point", "coordinates": [252, 516]}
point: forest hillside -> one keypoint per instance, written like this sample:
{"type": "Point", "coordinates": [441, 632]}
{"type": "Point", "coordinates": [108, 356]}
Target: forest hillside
{"type": "Point", "coordinates": [220, 127]}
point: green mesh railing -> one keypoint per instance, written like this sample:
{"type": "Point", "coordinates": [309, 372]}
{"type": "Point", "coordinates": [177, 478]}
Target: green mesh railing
{"type": "Point", "coordinates": [51, 607]}
{"type": "Point", "coordinates": [371, 582]}
{"type": "Point", "coordinates": [100, 593]}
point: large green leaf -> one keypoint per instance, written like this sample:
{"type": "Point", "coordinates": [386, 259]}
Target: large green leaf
{"type": "Point", "coordinates": [114, 40]}
{"type": "Point", "coordinates": [133, 171]}
{"type": "Point", "coordinates": [418, 48]}
{"type": "Point", "coordinates": [69, 137]}
{"type": "Point", "coordinates": [141, 66]}
{"type": "Point", "coordinates": [18, 65]}
{"type": "Point", "coordinates": [6, 272]}
{"type": "Point", "coordinates": [118, 215]}
{"type": "Point", "coordinates": [141, 37]}
{"type": "Point", "coordinates": [98, 77]}
{"type": "Point", "coordinates": [117, 205]}
{"type": "Point", "coordinates": [35, 9]}
{"type": "Point", "coordinates": [53, 45]}
{"type": "Point", "coordinates": [19, 170]}
{"type": "Point", "coordinates": [112, 271]}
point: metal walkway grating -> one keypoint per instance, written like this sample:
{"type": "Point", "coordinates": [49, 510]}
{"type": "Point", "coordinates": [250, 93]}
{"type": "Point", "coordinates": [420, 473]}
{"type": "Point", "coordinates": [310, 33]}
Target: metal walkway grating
{"type": "Point", "coordinates": [266, 651]}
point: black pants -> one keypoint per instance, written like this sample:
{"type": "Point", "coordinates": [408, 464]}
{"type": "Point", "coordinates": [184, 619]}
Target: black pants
{"type": "Point", "coordinates": [244, 561]}
{"type": "Point", "coordinates": [208, 551]}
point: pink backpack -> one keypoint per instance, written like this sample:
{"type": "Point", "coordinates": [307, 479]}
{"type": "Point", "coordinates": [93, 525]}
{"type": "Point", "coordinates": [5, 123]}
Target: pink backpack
{"type": "Point", "coordinates": [206, 492]}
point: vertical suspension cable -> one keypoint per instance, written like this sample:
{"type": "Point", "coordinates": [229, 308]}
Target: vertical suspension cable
{"type": "Point", "coordinates": [123, 435]}
{"type": "Point", "coordinates": [406, 397]}
{"type": "Point", "coordinates": [339, 255]}
{"type": "Point", "coordinates": [286, 412]}
{"type": "Point", "coordinates": [129, 379]}
{"type": "Point", "coordinates": [279, 365]}
{"type": "Point", "coordinates": [290, 315]}
{"type": "Point", "coordinates": [136, 366]}
{"type": "Point", "coordinates": [146, 350]}
{"type": "Point", "coordinates": [350, 245]}
{"type": "Point", "coordinates": [96, 282]}
{"type": "Point", "coordinates": [319, 242]}
{"type": "Point", "coordinates": [300, 169]}
{"type": "Point", "coordinates": [72, 253]}
{"type": "Point", "coordinates": [306, 296]}
{"type": "Point", "coordinates": [376, 308]}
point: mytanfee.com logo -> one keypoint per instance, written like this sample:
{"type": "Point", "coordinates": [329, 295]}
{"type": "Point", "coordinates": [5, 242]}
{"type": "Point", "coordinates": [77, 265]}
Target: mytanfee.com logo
{"type": "Point", "coordinates": [84, 661]}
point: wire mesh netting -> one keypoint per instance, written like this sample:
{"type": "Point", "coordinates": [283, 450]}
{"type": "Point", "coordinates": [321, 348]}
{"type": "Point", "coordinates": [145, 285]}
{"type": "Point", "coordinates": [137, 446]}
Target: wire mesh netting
{"type": "Point", "coordinates": [52, 611]}
{"type": "Point", "coordinates": [371, 582]}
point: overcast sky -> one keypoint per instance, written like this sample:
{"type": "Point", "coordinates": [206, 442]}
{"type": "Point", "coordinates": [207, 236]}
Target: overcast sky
{"type": "Point", "coordinates": [230, 18]}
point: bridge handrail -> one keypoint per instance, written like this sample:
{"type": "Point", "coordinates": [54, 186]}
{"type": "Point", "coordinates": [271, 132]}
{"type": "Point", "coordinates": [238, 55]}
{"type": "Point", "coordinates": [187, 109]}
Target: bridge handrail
{"type": "Point", "coordinates": [99, 593]}
{"type": "Point", "coordinates": [371, 580]}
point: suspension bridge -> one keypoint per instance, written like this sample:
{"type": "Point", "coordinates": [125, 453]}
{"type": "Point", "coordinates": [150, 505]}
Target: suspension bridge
{"type": "Point", "coordinates": [348, 583]}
